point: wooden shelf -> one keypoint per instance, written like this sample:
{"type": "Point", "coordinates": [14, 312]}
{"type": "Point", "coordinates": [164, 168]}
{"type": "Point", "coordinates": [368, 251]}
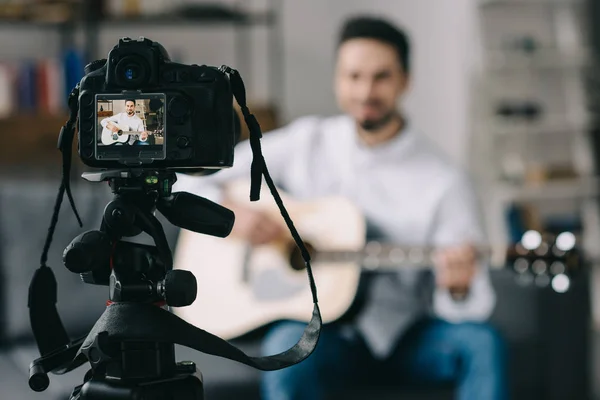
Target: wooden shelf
{"type": "Point", "coordinates": [558, 125]}
{"type": "Point", "coordinates": [33, 138]}
{"type": "Point", "coordinates": [566, 189]}
{"type": "Point", "coordinates": [528, 3]}
{"type": "Point", "coordinates": [505, 62]}
{"type": "Point", "coordinates": [165, 20]}
{"type": "Point", "coordinates": [264, 18]}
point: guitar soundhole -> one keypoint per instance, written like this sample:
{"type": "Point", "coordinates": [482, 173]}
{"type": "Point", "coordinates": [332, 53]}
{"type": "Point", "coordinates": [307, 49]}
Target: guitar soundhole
{"type": "Point", "coordinates": [296, 260]}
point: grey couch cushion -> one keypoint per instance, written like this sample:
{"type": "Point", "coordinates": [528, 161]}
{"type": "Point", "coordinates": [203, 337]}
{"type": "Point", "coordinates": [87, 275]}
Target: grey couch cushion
{"type": "Point", "coordinates": [547, 335]}
{"type": "Point", "coordinates": [25, 212]}
{"type": "Point", "coordinates": [13, 382]}
{"type": "Point", "coordinates": [18, 359]}
{"type": "Point", "coordinates": [535, 323]}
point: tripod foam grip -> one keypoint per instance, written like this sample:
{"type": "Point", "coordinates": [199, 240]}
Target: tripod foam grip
{"type": "Point", "coordinates": [180, 288]}
{"type": "Point", "coordinates": [197, 214]}
{"type": "Point", "coordinates": [87, 252]}
{"type": "Point", "coordinates": [38, 379]}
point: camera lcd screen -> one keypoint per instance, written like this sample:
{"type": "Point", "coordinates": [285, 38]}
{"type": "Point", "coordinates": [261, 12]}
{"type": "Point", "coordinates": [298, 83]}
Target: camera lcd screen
{"type": "Point", "coordinates": [130, 129]}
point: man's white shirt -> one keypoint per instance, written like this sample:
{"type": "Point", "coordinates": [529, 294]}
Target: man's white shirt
{"type": "Point", "coordinates": [134, 123]}
{"type": "Point", "coordinates": [405, 187]}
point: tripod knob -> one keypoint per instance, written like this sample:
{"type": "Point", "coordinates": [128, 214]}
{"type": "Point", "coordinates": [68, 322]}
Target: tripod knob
{"type": "Point", "coordinates": [87, 252]}
{"type": "Point", "coordinates": [120, 218]}
{"type": "Point", "coordinates": [179, 288]}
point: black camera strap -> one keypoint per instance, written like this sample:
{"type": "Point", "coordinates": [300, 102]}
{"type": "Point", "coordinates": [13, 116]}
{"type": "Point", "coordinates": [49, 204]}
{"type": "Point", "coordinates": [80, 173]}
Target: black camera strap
{"type": "Point", "coordinates": [259, 168]}
{"type": "Point", "coordinates": [43, 289]}
{"type": "Point", "coordinates": [148, 322]}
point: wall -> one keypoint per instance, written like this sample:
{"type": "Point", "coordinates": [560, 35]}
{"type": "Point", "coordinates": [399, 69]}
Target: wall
{"type": "Point", "coordinates": [443, 39]}
{"type": "Point", "coordinates": [118, 107]}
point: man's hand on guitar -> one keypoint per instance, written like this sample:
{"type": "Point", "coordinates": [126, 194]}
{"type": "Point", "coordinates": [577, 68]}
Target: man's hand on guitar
{"type": "Point", "coordinates": [256, 227]}
{"type": "Point", "coordinates": [455, 268]}
{"type": "Point", "coordinates": [112, 127]}
{"type": "Point", "coordinates": [144, 135]}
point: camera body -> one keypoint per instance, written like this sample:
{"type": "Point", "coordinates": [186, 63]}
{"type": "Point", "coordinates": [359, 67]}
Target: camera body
{"type": "Point", "coordinates": [137, 109]}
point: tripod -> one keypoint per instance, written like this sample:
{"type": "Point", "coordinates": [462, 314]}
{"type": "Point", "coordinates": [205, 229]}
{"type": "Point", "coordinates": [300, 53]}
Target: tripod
{"type": "Point", "coordinates": [140, 276]}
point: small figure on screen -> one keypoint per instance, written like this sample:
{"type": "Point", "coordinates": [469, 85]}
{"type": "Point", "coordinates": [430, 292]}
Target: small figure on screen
{"type": "Point", "coordinates": [115, 129]}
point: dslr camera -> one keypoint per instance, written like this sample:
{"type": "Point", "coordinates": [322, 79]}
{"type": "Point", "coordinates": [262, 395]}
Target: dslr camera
{"type": "Point", "coordinates": [137, 109]}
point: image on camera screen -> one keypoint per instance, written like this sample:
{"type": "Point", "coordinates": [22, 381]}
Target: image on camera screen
{"type": "Point", "coordinates": [130, 128]}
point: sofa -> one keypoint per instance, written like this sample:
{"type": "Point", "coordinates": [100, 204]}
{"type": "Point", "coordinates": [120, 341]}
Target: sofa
{"type": "Point", "coordinates": [548, 334]}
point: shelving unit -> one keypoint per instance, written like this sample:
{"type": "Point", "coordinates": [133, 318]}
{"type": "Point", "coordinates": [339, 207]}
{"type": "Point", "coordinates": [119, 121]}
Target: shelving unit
{"type": "Point", "coordinates": [236, 16]}
{"type": "Point", "coordinates": [535, 52]}
{"type": "Point", "coordinates": [533, 159]}
{"type": "Point", "coordinates": [88, 24]}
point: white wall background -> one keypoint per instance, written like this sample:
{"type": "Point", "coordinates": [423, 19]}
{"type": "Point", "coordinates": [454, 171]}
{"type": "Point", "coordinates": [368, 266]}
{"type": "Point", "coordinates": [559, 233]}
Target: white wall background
{"type": "Point", "coordinates": [442, 33]}
{"type": "Point", "coordinates": [442, 49]}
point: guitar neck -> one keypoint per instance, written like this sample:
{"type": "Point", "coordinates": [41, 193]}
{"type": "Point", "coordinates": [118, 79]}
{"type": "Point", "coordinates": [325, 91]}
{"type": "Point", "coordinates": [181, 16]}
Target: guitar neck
{"type": "Point", "coordinates": [384, 256]}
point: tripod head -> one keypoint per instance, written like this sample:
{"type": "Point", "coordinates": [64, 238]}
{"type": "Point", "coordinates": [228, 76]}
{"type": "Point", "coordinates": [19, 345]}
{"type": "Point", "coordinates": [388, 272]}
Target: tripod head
{"type": "Point", "coordinates": [136, 272]}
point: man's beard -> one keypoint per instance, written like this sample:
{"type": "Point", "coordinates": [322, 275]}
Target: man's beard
{"type": "Point", "coordinates": [375, 125]}
{"type": "Point", "coordinates": [129, 113]}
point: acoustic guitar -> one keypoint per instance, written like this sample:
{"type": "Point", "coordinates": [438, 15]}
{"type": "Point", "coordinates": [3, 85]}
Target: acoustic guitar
{"type": "Point", "coordinates": [242, 288]}
{"type": "Point", "coordinates": [123, 135]}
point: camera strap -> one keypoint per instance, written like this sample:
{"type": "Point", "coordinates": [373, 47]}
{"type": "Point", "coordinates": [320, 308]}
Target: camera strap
{"type": "Point", "coordinates": [148, 322]}
{"type": "Point", "coordinates": [259, 168]}
{"type": "Point", "coordinates": [42, 297]}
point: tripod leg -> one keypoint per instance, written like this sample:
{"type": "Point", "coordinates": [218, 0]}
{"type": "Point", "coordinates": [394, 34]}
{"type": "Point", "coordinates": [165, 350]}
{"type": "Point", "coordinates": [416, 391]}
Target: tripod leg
{"type": "Point", "coordinates": [182, 387]}
{"type": "Point", "coordinates": [75, 393]}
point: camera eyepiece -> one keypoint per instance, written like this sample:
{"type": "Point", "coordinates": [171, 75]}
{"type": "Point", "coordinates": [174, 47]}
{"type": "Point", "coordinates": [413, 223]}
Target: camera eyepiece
{"type": "Point", "coordinates": [132, 71]}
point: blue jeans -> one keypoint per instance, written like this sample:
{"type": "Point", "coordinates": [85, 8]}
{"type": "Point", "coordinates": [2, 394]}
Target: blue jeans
{"type": "Point", "coordinates": [470, 355]}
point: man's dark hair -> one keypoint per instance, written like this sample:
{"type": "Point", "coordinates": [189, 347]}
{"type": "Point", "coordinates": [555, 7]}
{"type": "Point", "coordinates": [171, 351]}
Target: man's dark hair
{"type": "Point", "coordinates": [130, 100]}
{"type": "Point", "coordinates": [378, 29]}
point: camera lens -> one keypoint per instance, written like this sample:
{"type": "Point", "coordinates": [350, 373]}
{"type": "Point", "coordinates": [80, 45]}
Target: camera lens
{"type": "Point", "coordinates": [132, 71]}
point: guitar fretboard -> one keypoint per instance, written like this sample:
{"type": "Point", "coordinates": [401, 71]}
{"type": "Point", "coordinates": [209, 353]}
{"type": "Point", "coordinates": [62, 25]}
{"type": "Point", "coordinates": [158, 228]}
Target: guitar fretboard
{"type": "Point", "coordinates": [381, 256]}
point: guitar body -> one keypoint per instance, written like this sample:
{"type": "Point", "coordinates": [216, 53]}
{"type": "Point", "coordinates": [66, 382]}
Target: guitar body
{"type": "Point", "coordinates": [242, 288]}
{"type": "Point", "coordinates": [109, 137]}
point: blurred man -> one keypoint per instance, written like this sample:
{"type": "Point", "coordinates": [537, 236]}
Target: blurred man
{"type": "Point", "coordinates": [412, 327]}
{"type": "Point", "coordinates": [127, 121]}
